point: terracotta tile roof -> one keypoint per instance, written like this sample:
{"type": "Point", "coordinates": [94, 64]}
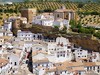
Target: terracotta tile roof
{"type": "Point", "coordinates": [4, 55]}
{"type": "Point", "coordinates": [72, 64]}
{"type": "Point", "coordinates": [97, 63]}
{"type": "Point", "coordinates": [35, 52]}
{"type": "Point", "coordinates": [3, 62]}
{"type": "Point", "coordinates": [51, 69]}
{"type": "Point", "coordinates": [78, 69]}
{"type": "Point", "coordinates": [89, 64]}
{"type": "Point", "coordinates": [40, 61]}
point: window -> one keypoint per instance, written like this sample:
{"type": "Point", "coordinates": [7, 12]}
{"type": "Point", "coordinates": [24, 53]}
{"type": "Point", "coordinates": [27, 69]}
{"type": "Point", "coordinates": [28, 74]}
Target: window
{"type": "Point", "coordinates": [63, 55]}
{"type": "Point", "coordinates": [11, 62]}
{"type": "Point", "coordinates": [58, 56]}
{"type": "Point", "coordinates": [80, 50]}
{"type": "Point", "coordinates": [90, 67]}
{"type": "Point", "coordinates": [98, 67]}
{"type": "Point", "coordinates": [38, 64]}
{"type": "Point", "coordinates": [98, 71]}
{"type": "Point", "coordinates": [87, 68]}
{"type": "Point", "coordinates": [58, 15]}
{"type": "Point", "coordinates": [94, 68]}
{"type": "Point", "coordinates": [15, 63]}
{"type": "Point", "coordinates": [78, 56]}
{"type": "Point", "coordinates": [8, 57]}
{"type": "Point", "coordinates": [65, 71]}
{"type": "Point", "coordinates": [63, 51]}
{"type": "Point", "coordinates": [47, 65]}
{"type": "Point", "coordinates": [69, 46]}
{"type": "Point", "coordinates": [79, 73]}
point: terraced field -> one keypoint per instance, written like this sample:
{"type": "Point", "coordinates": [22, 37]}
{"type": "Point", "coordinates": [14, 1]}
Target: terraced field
{"type": "Point", "coordinates": [51, 6]}
{"type": "Point", "coordinates": [91, 7]}
{"type": "Point", "coordinates": [90, 19]}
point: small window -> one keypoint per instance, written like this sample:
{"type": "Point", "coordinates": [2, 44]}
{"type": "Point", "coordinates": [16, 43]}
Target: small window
{"type": "Point", "coordinates": [80, 50]}
{"type": "Point", "coordinates": [8, 57]}
{"type": "Point", "coordinates": [94, 68]}
{"type": "Point", "coordinates": [38, 64]}
{"type": "Point", "coordinates": [65, 71]}
{"type": "Point", "coordinates": [15, 63]}
{"type": "Point", "coordinates": [98, 67]}
{"type": "Point", "coordinates": [98, 71]}
{"type": "Point", "coordinates": [58, 56]}
{"type": "Point", "coordinates": [58, 15]}
{"type": "Point", "coordinates": [78, 56]}
{"type": "Point", "coordinates": [63, 55]}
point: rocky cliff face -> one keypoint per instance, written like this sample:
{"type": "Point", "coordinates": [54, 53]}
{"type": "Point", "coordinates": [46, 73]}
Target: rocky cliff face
{"type": "Point", "coordinates": [86, 43]}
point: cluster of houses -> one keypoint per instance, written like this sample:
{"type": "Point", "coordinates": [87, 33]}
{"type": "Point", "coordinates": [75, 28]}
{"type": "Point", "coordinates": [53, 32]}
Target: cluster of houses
{"type": "Point", "coordinates": [60, 17]}
{"type": "Point", "coordinates": [30, 54]}
{"type": "Point", "coordinates": [58, 57]}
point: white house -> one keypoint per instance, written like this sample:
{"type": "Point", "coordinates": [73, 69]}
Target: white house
{"type": "Point", "coordinates": [46, 20]}
{"type": "Point", "coordinates": [5, 33]}
{"type": "Point", "coordinates": [4, 66]}
{"type": "Point", "coordinates": [81, 54]}
{"type": "Point", "coordinates": [9, 33]}
{"type": "Point", "coordinates": [61, 49]}
{"type": "Point", "coordinates": [2, 32]}
{"type": "Point", "coordinates": [13, 60]}
{"type": "Point", "coordinates": [61, 23]}
{"type": "Point", "coordinates": [25, 35]}
{"type": "Point", "coordinates": [38, 19]}
{"type": "Point", "coordinates": [37, 36]}
{"type": "Point", "coordinates": [40, 60]}
{"type": "Point", "coordinates": [27, 46]}
{"type": "Point", "coordinates": [37, 47]}
{"type": "Point", "coordinates": [22, 19]}
{"type": "Point", "coordinates": [28, 36]}
{"type": "Point", "coordinates": [7, 25]}
{"type": "Point", "coordinates": [95, 57]}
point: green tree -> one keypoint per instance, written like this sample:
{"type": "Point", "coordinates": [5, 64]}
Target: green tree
{"type": "Point", "coordinates": [73, 24]}
{"type": "Point", "coordinates": [97, 34]}
{"type": "Point", "coordinates": [80, 5]}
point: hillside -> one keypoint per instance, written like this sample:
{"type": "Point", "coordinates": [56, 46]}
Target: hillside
{"type": "Point", "coordinates": [85, 42]}
{"type": "Point", "coordinates": [49, 7]}
{"type": "Point", "coordinates": [52, 0]}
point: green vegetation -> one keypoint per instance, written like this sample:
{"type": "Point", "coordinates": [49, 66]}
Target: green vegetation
{"type": "Point", "coordinates": [97, 34]}
{"type": "Point", "coordinates": [50, 6]}
{"type": "Point", "coordinates": [77, 27]}
{"type": "Point", "coordinates": [50, 32]}
{"type": "Point", "coordinates": [41, 6]}
{"type": "Point", "coordinates": [89, 13]}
